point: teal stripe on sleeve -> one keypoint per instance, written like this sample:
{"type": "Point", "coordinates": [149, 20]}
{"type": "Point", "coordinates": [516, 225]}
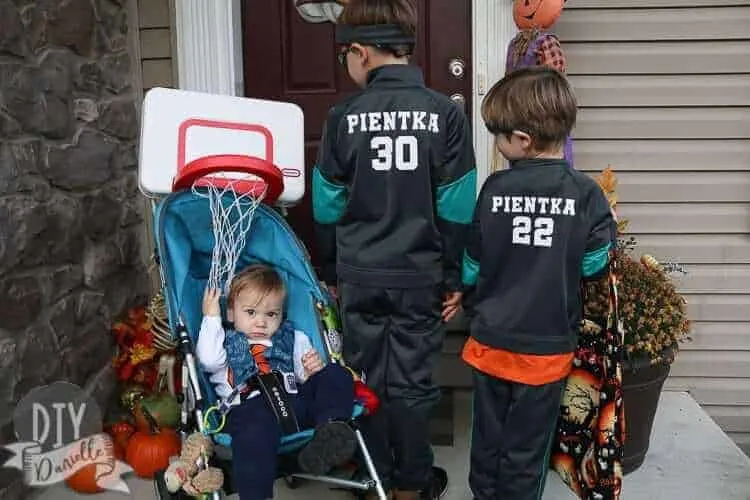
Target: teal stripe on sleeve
{"type": "Point", "coordinates": [595, 260]}
{"type": "Point", "coordinates": [328, 199]}
{"type": "Point", "coordinates": [469, 270]}
{"type": "Point", "coordinates": [455, 201]}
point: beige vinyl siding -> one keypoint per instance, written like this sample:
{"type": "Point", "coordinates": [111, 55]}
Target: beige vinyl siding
{"type": "Point", "coordinates": [155, 23]}
{"type": "Point", "coordinates": [664, 91]}
{"type": "Point", "coordinates": [154, 33]}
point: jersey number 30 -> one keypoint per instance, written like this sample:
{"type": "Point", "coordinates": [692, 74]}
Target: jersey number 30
{"type": "Point", "coordinates": [402, 152]}
{"type": "Point", "coordinates": [543, 227]}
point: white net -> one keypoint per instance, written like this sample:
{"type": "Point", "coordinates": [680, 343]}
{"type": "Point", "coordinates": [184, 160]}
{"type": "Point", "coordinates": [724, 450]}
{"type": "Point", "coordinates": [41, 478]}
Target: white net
{"type": "Point", "coordinates": [232, 213]}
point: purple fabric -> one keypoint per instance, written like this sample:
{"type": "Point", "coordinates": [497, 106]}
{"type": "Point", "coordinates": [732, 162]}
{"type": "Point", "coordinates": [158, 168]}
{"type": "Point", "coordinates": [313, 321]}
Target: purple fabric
{"type": "Point", "coordinates": [529, 59]}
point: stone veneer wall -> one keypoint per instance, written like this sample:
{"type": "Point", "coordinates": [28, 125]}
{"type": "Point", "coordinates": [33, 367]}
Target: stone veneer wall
{"type": "Point", "coordinates": [71, 217]}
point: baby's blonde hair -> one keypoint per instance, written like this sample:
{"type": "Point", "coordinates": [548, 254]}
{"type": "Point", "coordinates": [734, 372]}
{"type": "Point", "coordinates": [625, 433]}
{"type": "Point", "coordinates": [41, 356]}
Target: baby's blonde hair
{"type": "Point", "coordinates": [259, 277]}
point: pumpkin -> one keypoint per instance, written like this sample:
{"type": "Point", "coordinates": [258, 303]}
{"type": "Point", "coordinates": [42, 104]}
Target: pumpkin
{"type": "Point", "coordinates": [119, 451]}
{"type": "Point", "coordinates": [540, 14]}
{"type": "Point", "coordinates": [163, 408]}
{"type": "Point", "coordinates": [84, 480]}
{"type": "Point", "coordinates": [150, 451]}
{"type": "Point", "coordinates": [120, 432]}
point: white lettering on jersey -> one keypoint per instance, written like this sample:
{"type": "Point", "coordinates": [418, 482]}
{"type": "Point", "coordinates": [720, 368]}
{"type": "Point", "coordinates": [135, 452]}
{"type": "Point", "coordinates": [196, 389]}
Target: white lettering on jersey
{"type": "Point", "coordinates": [533, 205]}
{"type": "Point", "coordinates": [390, 121]}
{"type": "Point", "coordinates": [536, 229]}
{"type": "Point", "coordinates": [403, 152]}
{"type": "Point", "coordinates": [374, 121]}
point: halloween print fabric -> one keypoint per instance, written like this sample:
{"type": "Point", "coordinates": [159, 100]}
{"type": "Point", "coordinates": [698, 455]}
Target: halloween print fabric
{"type": "Point", "coordinates": [588, 447]}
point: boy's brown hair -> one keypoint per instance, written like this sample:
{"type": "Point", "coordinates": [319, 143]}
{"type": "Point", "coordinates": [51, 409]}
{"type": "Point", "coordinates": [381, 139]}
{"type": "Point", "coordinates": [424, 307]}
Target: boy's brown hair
{"type": "Point", "coordinates": [402, 13]}
{"type": "Point", "coordinates": [258, 277]}
{"type": "Point", "coordinates": [536, 100]}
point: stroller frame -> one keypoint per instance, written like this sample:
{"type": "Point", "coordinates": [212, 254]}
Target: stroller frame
{"type": "Point", "coordinates": [193, 402]}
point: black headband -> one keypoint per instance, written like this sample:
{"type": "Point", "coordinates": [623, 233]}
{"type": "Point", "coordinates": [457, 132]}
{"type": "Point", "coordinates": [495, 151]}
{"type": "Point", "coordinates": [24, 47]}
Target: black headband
{"type": "Point", "coordinates": [374, 34]}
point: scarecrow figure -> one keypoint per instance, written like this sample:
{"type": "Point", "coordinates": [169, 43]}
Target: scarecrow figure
{"type": "Point", "coordinates": [534, 45]}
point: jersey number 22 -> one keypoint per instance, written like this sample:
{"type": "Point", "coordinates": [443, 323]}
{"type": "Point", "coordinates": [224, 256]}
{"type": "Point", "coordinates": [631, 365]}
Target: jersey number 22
{"type": "Point", "coordinates": [543, 227]}
{"type": "Point", "coordinates": [402, 152]}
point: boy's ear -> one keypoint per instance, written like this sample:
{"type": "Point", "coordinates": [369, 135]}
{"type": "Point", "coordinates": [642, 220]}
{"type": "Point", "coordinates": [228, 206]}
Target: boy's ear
{"type": "Point", "coordinates": [524, 139]}
{"type": "Point", "coordinates": [361, 51]}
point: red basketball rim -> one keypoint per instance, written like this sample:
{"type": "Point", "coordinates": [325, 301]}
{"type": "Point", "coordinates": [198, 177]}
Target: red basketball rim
{"type": "Point", "coordinates": [198, 172]}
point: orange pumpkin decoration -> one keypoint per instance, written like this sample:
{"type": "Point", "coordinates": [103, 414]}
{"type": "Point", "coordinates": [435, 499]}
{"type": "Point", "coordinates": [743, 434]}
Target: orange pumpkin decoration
{"type": "Point", "coordinates": [536, 14]}
{"type": "Point", "coordinates": [84, 481]}
{"type": "Point", "coordinates": [150, 451]}
{"type": "Point", "coordinates": [120, 433]}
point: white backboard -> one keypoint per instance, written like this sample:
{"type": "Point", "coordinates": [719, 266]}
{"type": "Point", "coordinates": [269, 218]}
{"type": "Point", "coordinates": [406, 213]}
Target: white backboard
{"type": "Point", "coordinates": [178, 126]}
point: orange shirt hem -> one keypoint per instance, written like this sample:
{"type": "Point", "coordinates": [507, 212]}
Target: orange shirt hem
{"type": "Point", "coordinates": [529, 369]}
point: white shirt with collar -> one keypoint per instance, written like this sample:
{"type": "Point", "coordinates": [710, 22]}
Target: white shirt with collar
{"type": "Point", "coordinates": [212, 356]}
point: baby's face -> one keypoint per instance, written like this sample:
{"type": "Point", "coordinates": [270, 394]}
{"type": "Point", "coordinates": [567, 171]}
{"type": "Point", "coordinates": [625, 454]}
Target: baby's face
{"type": "Point", "coordinates": [256, 316]}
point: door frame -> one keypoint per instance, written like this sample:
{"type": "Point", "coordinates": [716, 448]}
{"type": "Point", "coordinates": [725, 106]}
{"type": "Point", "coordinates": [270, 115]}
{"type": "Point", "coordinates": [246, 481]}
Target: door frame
{"type": "Point", "coordinates": [215, 63]}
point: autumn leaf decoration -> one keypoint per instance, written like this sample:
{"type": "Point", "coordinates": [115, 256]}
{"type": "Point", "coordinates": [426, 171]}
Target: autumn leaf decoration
{"type": "Point", "coordinates": [607, 180]}
{"type": "Point", "coordinates": [135, 346]}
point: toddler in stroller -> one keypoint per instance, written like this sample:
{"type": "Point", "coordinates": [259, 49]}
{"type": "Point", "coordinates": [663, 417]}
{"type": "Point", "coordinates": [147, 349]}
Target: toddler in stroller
{"type": "Point", "coordinates": [272, 421]}
{"type": "Point", "coordinates": [264, 344]}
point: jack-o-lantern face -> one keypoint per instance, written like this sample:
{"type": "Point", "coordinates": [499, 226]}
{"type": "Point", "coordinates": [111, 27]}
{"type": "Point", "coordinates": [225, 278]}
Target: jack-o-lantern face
{"type": "Point", "coordinates": [530, 14]}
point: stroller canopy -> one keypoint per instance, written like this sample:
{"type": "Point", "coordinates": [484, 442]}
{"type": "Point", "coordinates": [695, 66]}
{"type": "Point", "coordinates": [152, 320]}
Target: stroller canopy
{"type": "Point", "coordinates": [185, 242]}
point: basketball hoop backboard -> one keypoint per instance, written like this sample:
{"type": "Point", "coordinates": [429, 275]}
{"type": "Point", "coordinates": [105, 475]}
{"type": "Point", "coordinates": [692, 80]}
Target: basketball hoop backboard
{"type": "Point", "coordinates": [179, 126]}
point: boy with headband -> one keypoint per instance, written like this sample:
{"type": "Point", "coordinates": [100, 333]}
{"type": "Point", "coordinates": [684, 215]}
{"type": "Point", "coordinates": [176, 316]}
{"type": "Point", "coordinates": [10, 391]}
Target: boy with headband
{"type": "Point", "coordinates": [396, 176]}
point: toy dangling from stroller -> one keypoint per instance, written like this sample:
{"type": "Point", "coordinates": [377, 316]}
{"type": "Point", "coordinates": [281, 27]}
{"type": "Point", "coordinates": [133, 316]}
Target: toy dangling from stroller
{"type": "Point", "coordinates": [209, 226]}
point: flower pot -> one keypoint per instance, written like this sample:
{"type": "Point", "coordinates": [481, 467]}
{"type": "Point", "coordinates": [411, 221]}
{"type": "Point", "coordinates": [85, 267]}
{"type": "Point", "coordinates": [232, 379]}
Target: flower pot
{"type": "Point", "coordinates": [641, 385]}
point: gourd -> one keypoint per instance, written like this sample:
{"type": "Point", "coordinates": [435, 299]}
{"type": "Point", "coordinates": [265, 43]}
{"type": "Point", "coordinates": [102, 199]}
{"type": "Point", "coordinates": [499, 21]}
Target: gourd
{"type": "Point", "coordinates": [164, 409]}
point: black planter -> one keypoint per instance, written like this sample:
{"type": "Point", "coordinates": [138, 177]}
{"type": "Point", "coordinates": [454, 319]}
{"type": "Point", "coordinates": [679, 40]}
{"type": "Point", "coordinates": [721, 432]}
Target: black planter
{"type": "Point", "coordinates": [642, 385]}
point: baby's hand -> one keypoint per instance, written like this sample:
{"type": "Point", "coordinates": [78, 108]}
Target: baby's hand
{"type": "Point", "coordinates": [311, 362]}
{"type": "Point", "coordinates": [211, 302]}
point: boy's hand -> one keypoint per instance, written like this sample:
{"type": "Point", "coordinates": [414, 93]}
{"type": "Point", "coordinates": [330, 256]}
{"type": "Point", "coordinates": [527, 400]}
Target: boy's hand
{"type": "Point", "coordinates": [451, 305]}
{"type": "Point", "coordinates": [312, 362]}
{"type": "Point", "coordinates": [211, 302]}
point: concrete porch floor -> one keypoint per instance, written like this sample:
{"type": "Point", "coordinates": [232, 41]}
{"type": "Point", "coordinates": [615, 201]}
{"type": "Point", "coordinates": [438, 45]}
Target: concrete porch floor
{"type": "Point", "coordinates": [690, 458]}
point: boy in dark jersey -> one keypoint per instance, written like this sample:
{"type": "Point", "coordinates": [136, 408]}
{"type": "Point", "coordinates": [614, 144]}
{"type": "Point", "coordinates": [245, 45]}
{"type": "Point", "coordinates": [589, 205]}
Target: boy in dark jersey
{"type": "Point", "coordinates": [396, 176]}
{"type": "Point", "coordinates": [538, 228]}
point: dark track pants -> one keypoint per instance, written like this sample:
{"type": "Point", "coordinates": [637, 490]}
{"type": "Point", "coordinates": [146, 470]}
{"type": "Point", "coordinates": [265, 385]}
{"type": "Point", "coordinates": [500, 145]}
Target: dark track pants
{"type": "Point", "coordinates": [256, 434]}
{"type": "Point", "coordinates": [514, 425]}
{"type": "Point", "coordinates": [395, 337]}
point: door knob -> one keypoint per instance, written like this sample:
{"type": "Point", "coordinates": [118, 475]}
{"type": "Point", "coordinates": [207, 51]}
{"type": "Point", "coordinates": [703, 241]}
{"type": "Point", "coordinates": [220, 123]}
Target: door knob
{"type": "Point", "coordinates": [460, 100]}
{"type": "Point", "coordinates": [457, 67]}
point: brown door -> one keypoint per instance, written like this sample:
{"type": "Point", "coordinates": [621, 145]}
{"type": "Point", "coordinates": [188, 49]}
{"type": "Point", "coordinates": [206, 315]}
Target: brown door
{"type": "Point", "coordinates": [289, 59]}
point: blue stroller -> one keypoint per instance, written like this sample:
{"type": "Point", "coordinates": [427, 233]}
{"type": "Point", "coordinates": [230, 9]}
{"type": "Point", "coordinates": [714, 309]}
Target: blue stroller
{"type": "Point", "coordinates": [185, 241]}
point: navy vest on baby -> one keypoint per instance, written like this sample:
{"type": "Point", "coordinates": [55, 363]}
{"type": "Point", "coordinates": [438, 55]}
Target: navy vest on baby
{"type": "Point", "coordinates": [280, 355]}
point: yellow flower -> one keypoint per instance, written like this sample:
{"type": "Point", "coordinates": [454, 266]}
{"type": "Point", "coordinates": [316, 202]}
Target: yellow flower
{"type": "Point", "coordinates": [141, 353]}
